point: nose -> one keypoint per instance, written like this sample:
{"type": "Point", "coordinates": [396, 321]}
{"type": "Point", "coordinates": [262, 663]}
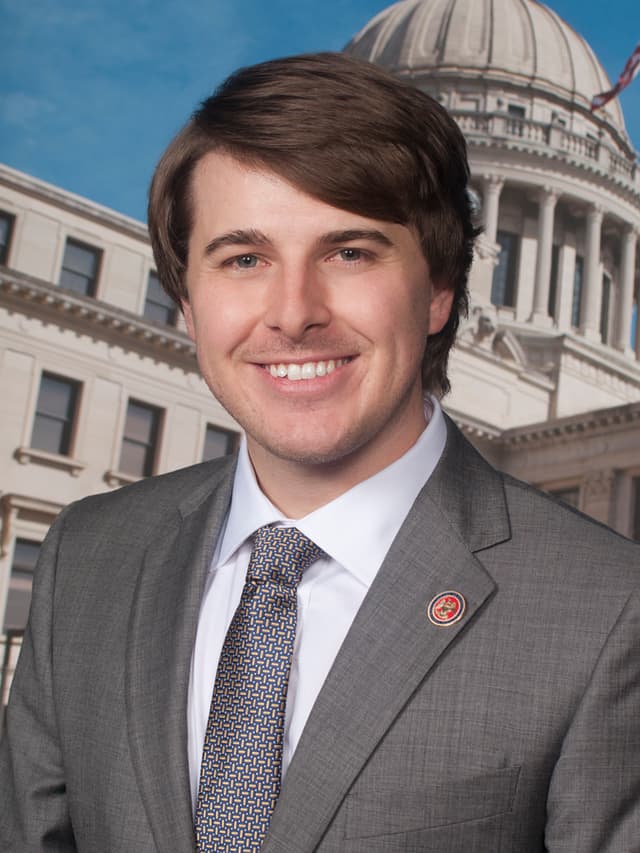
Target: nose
{"type": "Point", "coordinates": [297, 303]}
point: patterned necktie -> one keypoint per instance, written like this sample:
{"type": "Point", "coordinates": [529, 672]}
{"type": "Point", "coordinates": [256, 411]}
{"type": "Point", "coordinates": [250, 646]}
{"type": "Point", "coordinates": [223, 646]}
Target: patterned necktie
{"type": "Point", "coordinates": [242, 755]}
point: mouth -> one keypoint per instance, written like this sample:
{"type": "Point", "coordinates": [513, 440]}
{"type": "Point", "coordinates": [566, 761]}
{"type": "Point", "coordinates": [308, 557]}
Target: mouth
{"type": "Point", "coordinates": [295, 372]}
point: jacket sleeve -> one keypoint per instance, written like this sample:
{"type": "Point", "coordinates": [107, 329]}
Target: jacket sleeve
{"type": "Point", "coordinates": [594, 797]}
{"type": "Point", "coordinates": [34, 815]}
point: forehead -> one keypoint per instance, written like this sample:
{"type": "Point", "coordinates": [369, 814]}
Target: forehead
{"type": "Point", "coordinates": [228, 193]}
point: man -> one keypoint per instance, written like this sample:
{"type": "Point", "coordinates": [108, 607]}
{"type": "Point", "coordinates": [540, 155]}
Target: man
{"type": "Point", "coordinates": [458, 659]}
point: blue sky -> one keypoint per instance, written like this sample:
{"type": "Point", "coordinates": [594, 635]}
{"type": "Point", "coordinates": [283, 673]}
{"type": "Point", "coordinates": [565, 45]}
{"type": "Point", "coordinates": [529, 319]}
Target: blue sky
{"type": "Point", "coordinates": [92, 90]}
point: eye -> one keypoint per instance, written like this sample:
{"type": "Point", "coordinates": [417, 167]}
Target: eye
{"type": "Point", "coordinates": [245, 262]}
{"type": "Point", "coordinates": [351, 255]}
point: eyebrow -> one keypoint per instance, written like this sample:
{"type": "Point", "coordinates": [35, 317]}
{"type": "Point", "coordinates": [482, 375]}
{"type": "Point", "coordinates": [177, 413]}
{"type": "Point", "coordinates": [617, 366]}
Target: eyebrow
{"type": "Point", "coordinates": [241, 237]}
{"type": "Point", "coordinates": [337, 238]}
{"type": "Point", "coordinates": [253, 237]}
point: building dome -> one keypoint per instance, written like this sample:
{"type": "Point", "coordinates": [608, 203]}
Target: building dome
{"type": "Point", "coordinates": [521, 43]}
{"type": "Point", "coordinates": [555, 281]}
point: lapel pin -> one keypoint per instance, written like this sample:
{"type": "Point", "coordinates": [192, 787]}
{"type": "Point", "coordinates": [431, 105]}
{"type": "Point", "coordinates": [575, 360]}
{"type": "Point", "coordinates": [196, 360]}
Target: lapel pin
{"type": "Point", "coordinates": [446, 608]}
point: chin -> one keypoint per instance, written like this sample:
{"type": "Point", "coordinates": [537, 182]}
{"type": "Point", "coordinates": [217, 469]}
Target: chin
{"type": "Point", "coordinates": [313, 450]}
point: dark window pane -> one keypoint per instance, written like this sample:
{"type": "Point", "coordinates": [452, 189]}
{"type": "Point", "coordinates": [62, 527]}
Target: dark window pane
{"type": "Point", "coordinates": [25, 556]}
{"type": "Point", "coordinates": [55, 414]}
{"type": "Point", "coordinates": [133, 459]}
{"type": "Point", "coordinates": [553, 280]}
{"type": "Point", "coordinates": [80, 259]}
{"type": "Point", "coordinates": [218, 442]}
{"type": "Point", "coordinates": [6, 228]}
{"type": "Point", "coordinates": [49, 435]}
{"type": "Point", "coordinates": [139, 423]}
{"type": "Point", "coordinates": [56, 396]}
{"type": "Point", "coordinates": [159, 307]}
{"type": "Point", "coordinates": [503, 288]}
{"type": "Point", "coordinates": [577, 291]}
{"type": "Point", "coordinates": [604, 308]}
{"type": "Point", "coordinates": [80, 268]}
{"type": "Point", "coordinates": [139, 440]}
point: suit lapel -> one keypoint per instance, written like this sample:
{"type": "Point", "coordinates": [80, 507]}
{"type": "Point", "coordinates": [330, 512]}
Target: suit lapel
{"type": "Point", "coordinates": [161, 637]}
{"type": "Point", "coordinates": [392, 645]}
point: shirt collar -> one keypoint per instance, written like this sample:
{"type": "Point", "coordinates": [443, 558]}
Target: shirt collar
{"type": "Point", "coordinates": [375, 508]}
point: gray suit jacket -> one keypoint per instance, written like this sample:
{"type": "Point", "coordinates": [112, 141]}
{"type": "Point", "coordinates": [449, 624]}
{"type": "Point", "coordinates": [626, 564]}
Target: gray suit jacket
{"type": "Point", "coordinates": [517, 729]}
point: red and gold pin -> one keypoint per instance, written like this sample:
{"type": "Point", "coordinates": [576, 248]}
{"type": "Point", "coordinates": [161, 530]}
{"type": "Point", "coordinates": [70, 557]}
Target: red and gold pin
{"type": "Point", "coordinates": [446, 608]}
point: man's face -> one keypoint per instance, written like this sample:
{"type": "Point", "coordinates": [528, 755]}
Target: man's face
{"type": "Point", "coordinates": [310, 322]}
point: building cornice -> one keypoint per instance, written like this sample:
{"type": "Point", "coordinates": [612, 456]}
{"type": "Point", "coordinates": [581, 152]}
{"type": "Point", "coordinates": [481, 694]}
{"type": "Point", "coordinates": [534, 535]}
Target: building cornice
{"type": "Point", "coordinates": [36, 298]}
{"type": "Point", "coordinates": [72, 203]}
{"type": "Point", "coordinates": [549, 432]}
{"type": "Point", "coordinates": [572, 426]}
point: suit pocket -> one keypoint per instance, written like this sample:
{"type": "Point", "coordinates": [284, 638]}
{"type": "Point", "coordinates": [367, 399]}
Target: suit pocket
{"type": "Point", "coordinates": [447, 800]}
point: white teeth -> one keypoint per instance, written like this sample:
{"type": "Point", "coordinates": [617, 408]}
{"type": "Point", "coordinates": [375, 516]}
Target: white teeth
{"type": "Point", "coordinates": [308, 370]}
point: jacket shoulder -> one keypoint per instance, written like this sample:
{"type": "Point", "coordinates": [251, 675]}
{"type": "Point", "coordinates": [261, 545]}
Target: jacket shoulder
{"type": "Point", "coordinates": [153, 496]}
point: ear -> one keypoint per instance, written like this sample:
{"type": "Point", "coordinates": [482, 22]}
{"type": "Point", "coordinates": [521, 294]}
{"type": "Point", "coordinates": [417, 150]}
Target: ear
{"type": "Point", "coordinates": [440, 308]}
{"type": "Point", "coordinates": [185, 307]}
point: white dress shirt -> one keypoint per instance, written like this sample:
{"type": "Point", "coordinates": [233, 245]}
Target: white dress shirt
{"type": "Point", "coordinates": [355, 531]}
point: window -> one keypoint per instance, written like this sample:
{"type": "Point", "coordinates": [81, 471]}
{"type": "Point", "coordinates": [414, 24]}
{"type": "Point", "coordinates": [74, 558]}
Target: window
{"type": "Point", "coordinates": [25, 556]}
{"type": "Point", "coordinates": [503, 287]}
{"type": "Point", "coordinates": [140, 439]}
{"type": "Point", "coordinates": [553, 280]}
{"type": "Point", "coordinates": [80, 267]}
{"type": "Point", "coordinates": [6, 230]}
{"type": "Point", "coordinates": [218, 442]}
{"type": "Point", "coordinates": [158, 307]}
{"type": "Point", "coordinates": [578, 274]}
{"type": "Point", "coordinates": [515, 122]}
{"type": "Point", "coordinates": [605, 306]}
{"type": "Point", "coordinates": [55, 414]}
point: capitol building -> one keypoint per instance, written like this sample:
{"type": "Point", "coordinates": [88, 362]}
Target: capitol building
{"type": "Point", "coordinates": [99, 382]}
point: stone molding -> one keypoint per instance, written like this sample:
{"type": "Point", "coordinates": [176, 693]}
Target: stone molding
{"type": "Point", "coordinates": [37, 298]}
{"type": "Point", "coordinates": [12, 505]}
{"type": "Point", "coordinates": [72, 203]}
{"type": "Point", "coordinates": [25, 455]}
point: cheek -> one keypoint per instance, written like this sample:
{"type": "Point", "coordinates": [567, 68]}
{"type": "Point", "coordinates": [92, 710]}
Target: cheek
{"type": "Point", "coordinates": [221, 323]}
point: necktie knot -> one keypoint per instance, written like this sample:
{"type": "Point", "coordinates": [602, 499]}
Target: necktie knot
{"type": "Point", "coordinates": [280, 555]}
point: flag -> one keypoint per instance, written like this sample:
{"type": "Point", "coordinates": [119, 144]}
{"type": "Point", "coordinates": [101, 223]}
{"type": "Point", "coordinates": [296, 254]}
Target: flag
{"type": "Point", "coordinates": [628, 73]}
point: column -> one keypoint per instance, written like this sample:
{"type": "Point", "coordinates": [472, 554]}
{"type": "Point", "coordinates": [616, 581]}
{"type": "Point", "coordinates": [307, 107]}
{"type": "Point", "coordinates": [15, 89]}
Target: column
{"type": "Point", "coordinates": [591, 296]}
{"type": "Point", "coordinates": [622, 339]}
{"type": "Point", "coordinates": [492, 187]}
{"type": "Point", "coordinates": [546, 209]}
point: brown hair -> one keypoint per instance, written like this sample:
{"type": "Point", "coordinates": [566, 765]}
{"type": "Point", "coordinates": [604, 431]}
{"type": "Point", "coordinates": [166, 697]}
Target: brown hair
{"type": "Point", "coordinates": [348, 134]}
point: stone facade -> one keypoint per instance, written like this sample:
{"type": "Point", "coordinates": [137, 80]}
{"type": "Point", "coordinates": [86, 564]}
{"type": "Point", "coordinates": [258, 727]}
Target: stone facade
{"type": "Point", "coordinates": [103, 351]}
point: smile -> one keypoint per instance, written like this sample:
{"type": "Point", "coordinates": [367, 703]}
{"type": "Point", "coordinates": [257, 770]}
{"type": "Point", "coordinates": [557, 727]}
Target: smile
{"type": "Point", "coordinates": [308, 370]}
